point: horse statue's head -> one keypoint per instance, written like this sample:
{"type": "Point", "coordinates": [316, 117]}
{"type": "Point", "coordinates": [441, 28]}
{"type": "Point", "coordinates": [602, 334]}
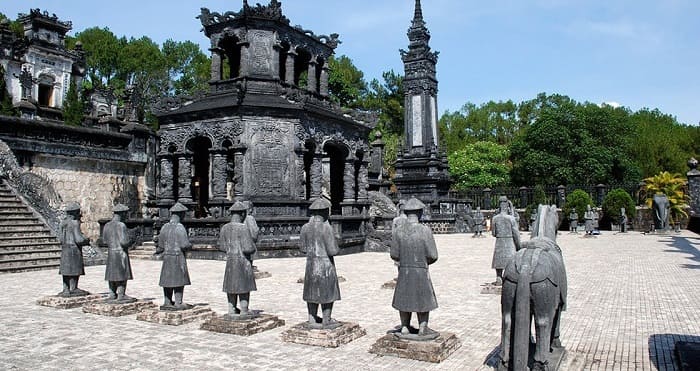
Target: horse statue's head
{"type": "Point", "coordinates": [546, 223]}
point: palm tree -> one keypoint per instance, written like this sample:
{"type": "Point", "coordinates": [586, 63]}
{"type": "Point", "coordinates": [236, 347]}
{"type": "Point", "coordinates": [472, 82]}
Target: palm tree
{"type": "Point", "coordinates": [673, 186]}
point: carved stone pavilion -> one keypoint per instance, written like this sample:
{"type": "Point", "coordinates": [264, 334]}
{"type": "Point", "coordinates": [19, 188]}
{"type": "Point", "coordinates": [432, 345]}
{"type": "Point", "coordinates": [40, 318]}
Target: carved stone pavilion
{"type": "Point", "coordinates": [265, 132]}
{"type": "Point", "coordinates": [421, 168]}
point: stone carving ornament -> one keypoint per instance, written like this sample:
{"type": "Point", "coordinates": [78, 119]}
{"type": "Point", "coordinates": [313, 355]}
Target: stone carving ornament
{"type": "Point", "coordinates": [217, 131]}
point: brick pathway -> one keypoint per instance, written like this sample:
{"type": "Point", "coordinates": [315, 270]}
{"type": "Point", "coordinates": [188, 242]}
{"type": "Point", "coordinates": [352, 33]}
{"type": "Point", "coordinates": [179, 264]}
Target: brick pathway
{"type": "Point", "coordinates": [630, 298]}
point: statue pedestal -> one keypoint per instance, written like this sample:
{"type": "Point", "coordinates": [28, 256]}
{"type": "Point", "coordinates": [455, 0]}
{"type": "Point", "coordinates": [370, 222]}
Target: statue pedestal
{"type": "Point", "coordinates": [116, 309]}
{"type": "Point", "coordinates": [68, 302]}
{"type": "Point", "coordinates": [490, 288]}
{"type": "Point", "coordinates": [436, 350]}
{"type": "Point", "coordinates": [259, 323]}
{"type": "Point", "coordinates": [556, 359]}
{"type": "Point", "coordinates": [389, 284]}
{"type": "Point", "coordinates": [176, 317]}
{"type": "Point", "coordinates": [328, 338]}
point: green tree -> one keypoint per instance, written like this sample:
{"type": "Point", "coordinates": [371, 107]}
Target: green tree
{"type": "Point", "coordinates": [387, 98]}
{"type": "Point", "coordinates": [613, 202]}
{"type": "Point", "coordinates": [480, 164]}
{"type": "Point", "coordinates": [102, 49]}
{"type": "Point", "coordinates": [16, 27]}
{"type": "Point", "coordinates": [188, 68]}
{"type": "Point", "coordinates": [73, 107]}
{"type": "Point", "coordinates": [577, 200]}
{"type": "Point", "coordinates": [492, 121]}
{"type": "Point", "coordinates": [346, 83]}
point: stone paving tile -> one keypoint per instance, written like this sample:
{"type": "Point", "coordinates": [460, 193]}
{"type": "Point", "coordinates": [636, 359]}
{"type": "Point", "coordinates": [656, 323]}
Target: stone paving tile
{"type": "Point", "coordinates": [630, 298]}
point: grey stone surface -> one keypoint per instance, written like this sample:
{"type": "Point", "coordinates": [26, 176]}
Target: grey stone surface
{"type": "Point", "coordinates": [260, 323]}
{"type": "Point", "coordinates": [631, 298]}
{"type": "Point", "coordinates": [341, 334]}
{"type": "Point", "coordinates": [176, 317]}
{"type": "Point", "coordinates": [661, 212]}
{"type": "Point", "coordinates": [435, 350]}
{"type": "Point", "coordinates": [105, 308]}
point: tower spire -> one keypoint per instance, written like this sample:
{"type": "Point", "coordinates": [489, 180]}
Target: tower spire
{"type": "Point", "coordinates": [418, 14]}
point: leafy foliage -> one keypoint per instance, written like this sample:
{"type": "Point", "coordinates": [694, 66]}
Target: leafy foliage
{"type": "Point", "coordinates": [480, 164]}
{"type": "Point", "coordinates": [578, 200]}
{"type": "Point", "coordinates": [73, 107]}
{"type": "Point", "coordinates": [672, 186]}
{"type": "Point", "coordinates": [346, 83]}
{"type": "Point", "coordinates": [614, 201]}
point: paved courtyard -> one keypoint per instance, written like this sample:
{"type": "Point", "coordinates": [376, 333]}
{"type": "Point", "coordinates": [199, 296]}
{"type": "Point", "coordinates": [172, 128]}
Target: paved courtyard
{"type": "Point", "coordinates": [630, 298]}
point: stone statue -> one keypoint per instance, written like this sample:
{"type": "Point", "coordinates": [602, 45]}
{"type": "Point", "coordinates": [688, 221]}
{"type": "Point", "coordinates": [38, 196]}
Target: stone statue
{"type": "Point", "coordinates": [505, 228]}
{"type": "Point", "coordinates": [479, 223]}
{"type": "Point", "coordinates": [320, 279]}
{"type": "Point", "coordinates": [573, 221]}
{"type": "Point", "coordinates": [118, 269]}
{"type": "Point", "coordinates": [588, 220]}
{"type": "Point", "coordinates": [596, 220]}
{"type": "Point", "coordinates": [534, 277]}
{"type": "Point", "coordinates": [237, 242]}
{"type": "Point", "coordinates": [661, 207]}
{"type": "Point", "coordinates": [400, 217]}
{"type": "Point", "coordinates": [250, 221]}
{"type": "Point", "coordinates": [72, 242]}
{"type": "Point", "coordinates": [623, 220]}
{"type": "Point", "coordinates": [414, 248]}
{"type": "Point", "coordinates": [172, 242]}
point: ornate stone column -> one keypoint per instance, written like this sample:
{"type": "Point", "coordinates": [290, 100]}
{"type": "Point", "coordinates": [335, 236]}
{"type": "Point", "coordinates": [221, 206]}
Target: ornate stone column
{"type": "Point", "coordinates": [166, 179]}
{"type": "Point", "coordinates": [238, 178]}
{"type": "Point", "coordinates": [323, 84]}
{"type": "Point", "coordinates": [316, 174]}
{"type": "Point", "coordinates": [218, 174]}
{"type": "Point", "coordinates": [299, 150]}
{"type": "Point", "coordinates": [215, 64]}
{"type": "Point", "coordinates": [245, 58]}
{"type": "Point", "coordinates": [349, 184]}
{"type": "Point", "coordinates": [694, 188]}
{"type": "Point", "coordinates": [363, 182]}
{"type": "Point", "coordinates": [184, 178]}
{"type": "Point", "coordinates": [289, 66]}
{"type": "Point", "coordinates": [312, 82]}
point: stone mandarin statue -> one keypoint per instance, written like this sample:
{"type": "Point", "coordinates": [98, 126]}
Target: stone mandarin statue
{"type": "Point", "coordinates": [320, 279]}
{"type": "Point", "coordinates": [479, 222]}
{"type": "Point", "coordinates": [72, 242]}
{"type": "Point", "coordinates": [573, 220]}
{"type": "Point", "coordinates": [413, 247]}
{"type": "Point", "coordinates": [172, 242]}
{"type": "Point", "coordinates": [118, 270]}
{"type": "Point", "coordinates": [239, 280]}
{"type": "Point", "coordinates": [250, 221]}
{"type": "Point", "coordinates": [588, 217]}
{"type": "Point", "coordinates": [505, 228]}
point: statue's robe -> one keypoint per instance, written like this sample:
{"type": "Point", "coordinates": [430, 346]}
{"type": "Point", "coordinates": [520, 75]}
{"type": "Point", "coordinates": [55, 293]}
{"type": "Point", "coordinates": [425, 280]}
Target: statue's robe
{"type": "Point", "coordinates": [72, 242]}
{"type": "Point", "coordinates": [172, 242]}
{"type": "Point", "coordinates": [236, 241]}
{"type": "Point", "coordinates": [320, 279]}
{"type": "Point", "coordinates": [116, 236]}
{"type": "Point", "coordinates": [413, 247]}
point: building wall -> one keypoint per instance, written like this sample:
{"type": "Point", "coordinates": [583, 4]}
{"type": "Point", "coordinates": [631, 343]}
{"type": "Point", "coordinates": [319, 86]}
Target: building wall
{"type": "Point", "coordinates": [96, 184]}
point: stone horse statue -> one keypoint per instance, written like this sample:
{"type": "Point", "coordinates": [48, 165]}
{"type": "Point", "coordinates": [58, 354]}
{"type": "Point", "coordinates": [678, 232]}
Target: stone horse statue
{"type": "Point", "coordinates": [661, 207]}
{"type": "Point", "coordinates": [535, 276]}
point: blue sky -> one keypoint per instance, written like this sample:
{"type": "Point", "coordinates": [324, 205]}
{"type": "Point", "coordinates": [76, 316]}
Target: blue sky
{"type": "Point", "coordinates": [639, 53]}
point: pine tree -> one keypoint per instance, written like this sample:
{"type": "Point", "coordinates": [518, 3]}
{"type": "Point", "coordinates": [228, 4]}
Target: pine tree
{"type": "Point", "coordinates": [73, 107]}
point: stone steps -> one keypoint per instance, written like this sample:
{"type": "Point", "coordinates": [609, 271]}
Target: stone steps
{"type": "Point", "coordinates": [26, 244]}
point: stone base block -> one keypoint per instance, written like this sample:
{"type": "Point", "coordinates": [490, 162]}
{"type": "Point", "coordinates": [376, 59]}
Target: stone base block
{"type": "Point", "coordinates": [555, 361]}
{"type": "Point", "coordinates": [261, 323]}
{"type": "Point", "coordinates": [259, 275]}
{"type": "Point", "coordinates": [490, 288]}
{"type": "Point", "coordinates": [329, 338]}
{"type": "Point", "coordinates": [176, 317]}
{"type": "Point", "coordinates": [389, 284]}
{"type": "Point", "coordinates": [436, 350]}
{"type": "Point", "coordinates": [61, 302]}
{"type": "Point", "coordinates": [117, 310]}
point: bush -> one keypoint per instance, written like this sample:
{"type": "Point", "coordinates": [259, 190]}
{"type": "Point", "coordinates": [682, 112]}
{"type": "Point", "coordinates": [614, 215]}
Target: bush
{"type": "Point", "coordinates": [578, 199]}
{"type": "Point", "coordinates": [614, 200]}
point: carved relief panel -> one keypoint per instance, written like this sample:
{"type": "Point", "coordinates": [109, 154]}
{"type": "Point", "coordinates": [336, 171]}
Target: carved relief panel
{"type": "Point", "coordinates": [271, 162]}
{"type": "Point", "coordinates": [260, 52]}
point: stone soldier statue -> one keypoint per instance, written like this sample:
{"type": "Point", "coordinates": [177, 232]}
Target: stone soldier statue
{"type": "Point", "coordinates": [588, 220]}
{"type": "Point", "coordinates": [505, 228]}
{"type": "Point", "coordinates": [239, 280]}
{"type": "Point", "coordinates": [320, 279]}
{"type": "Point", "coordinates": [72, 242]}
{"type": "Point", "coordinates": [623, 220]}
{"type": "Point", "coordinates": [479, 222]}
{"type": "Point", "coordinates": [573, 221]}
{"type": "Point", "coordinates": [414, 248]}
{"type": "Point", "coordinates": [118, 269]}
{"type": "Point", "coordinates": [596, 219]}
{"type": "Point", "coordinates": [172, 242]}
{"type": "Point", "coordinates": [250, 221]}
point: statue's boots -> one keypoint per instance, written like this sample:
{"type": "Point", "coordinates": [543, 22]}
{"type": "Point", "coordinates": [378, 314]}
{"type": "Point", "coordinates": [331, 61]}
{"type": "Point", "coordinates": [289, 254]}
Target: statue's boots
{"type": "Point", "coordinates": [74, 290]}
{"type": "Point", "coordinates": [121, 295]}
{"type": "Point", "coordinates": [112, 290]}
{"type": "Point", "coordinates": [66, 287]}
{"type": "Point", "coordinates": [179, 291]}
{"type": "Point", "coordinates": [167, 297]}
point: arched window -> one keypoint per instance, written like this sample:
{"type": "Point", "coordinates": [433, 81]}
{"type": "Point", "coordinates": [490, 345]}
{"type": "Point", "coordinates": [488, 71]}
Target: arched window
{"type": "Point", "coordinates": [301, 68]}
{"type": "Point", "coordinates": [231, 58]}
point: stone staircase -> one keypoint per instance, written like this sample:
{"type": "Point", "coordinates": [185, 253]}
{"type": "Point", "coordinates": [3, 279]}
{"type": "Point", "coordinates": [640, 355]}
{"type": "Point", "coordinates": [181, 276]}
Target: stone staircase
{"type": "Point", "coordinates": [26, 243]}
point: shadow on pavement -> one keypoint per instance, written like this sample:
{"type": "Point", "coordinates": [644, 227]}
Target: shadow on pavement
{"type": "Point", "coordinates": [664, 351]}
{"type": "Point", "coordinates": [686, 245]}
